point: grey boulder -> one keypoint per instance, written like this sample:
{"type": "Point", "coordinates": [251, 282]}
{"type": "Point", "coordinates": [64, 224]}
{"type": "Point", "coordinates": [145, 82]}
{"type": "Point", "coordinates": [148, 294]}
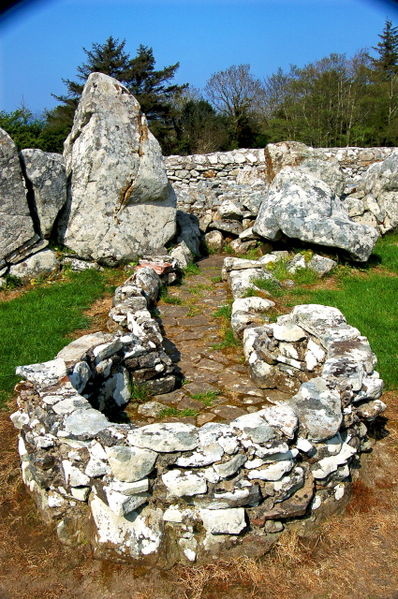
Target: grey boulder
{"type": "Point", "coordinates": [380, 186]}
{"type": "Point", "coordinates": [17, 234]}
{"type": "Point", "coordinates": [121, 204]}
{"type": "Point", "coordinates": [45, 175]}
{"type": "Point", "coordinates": [303, 207]}
{"type": "Point", "coordinates": [39, 264]}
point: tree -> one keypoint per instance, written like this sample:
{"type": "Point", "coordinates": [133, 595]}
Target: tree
{"type": "Point", "coordinates": [151, 87]}
{"type": "Point", "coordinates": [198, 128]}
{"type": "Point", "coordinates": [387, 49]}
{"type": "Point", "coordinates": [236, 94]}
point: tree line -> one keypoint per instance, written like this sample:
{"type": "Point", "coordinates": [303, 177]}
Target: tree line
{"type": "Point", "coordinates": [334, 101]}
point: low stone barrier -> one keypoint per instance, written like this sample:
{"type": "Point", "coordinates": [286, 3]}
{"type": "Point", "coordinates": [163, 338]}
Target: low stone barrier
{"type": "Point", "coordinates": [170, 491]}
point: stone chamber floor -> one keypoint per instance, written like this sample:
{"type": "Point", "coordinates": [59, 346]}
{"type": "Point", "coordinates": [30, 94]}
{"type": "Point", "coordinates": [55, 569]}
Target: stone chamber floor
{"type": "Point", "coordinates": [215, 381]}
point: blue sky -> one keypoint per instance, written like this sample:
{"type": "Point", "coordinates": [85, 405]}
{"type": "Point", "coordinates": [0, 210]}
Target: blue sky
{"type": "Point", "coordinates": [41, 41]}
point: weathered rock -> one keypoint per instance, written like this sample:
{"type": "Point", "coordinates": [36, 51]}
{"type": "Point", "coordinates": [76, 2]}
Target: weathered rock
{"type": "Point", "coordinates": [230, 210]}
{"type": "Point", "coordinates": [16, 226]}
{"type": "Point", "coordinates": [303, 207]}
{"type": "Point", "coordinates": [214, 241]}
{"type": "Point", "coordinates": [182, 255]}
{"type": "Point", "coordinates": [46, 179]}
{"type": "Point", "coordinates": [76, 349]}
{"type": "Point", "coordinates": [180, 483]}
{"type": "Point", "coordinates": [44, 373]}
{"type": "Point", "coordinates": [85, 423]}
{"type": "Point", "coordinates": [172, 436]}
{"type": "Point", "coordinates": [321, 264]}
{"type": "Point", "coordinates": [129, 464]}
{"type": "Point", "coordinates": [189, 232]}
{"type": "Point", "coordinates": [324, 322]}
{"type": "Point", "coordinates": [380, 186]}
{"type": "Point", "coordinates": [318, 408]}
{"type": "Point", "coordinates": [135, 537]}
{"type": "Point", "coordinates": [228, 521]}
{"type": "Point", "coordinates": [242, 281]}
{"type": "Point", "coordinates": [249, 311]}
{"type": "Point", "coordinates": [135, 207]}
{"type": "Point", "coordinates": [41, 263]}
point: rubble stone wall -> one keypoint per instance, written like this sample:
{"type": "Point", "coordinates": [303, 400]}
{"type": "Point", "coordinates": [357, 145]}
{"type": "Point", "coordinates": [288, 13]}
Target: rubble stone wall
{"type": "Point", "coordinates": [170, 491]}
{"type": "Point", "coordinates": [203, 182]}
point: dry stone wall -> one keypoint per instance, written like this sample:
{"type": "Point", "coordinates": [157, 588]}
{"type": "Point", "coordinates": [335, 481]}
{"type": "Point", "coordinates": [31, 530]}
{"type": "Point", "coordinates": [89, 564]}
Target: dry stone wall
{"type": "Point", "coordinates": [171, 491]}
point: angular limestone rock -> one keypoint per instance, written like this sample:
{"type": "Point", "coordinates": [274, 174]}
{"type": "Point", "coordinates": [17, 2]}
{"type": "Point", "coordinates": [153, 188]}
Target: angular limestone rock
{"type": "Point", "coordinates": [318, 409]}
{"type": "Point", "coordinates": [45, 174]}
{"type": "Point", "coordinates": [303, 207]}
{"type": "Point", "coordinates": [39, 264]}
{"type": "Point", "coordinates": [116, 174]}
{"type": "Point", "coordinates": [16, 225]}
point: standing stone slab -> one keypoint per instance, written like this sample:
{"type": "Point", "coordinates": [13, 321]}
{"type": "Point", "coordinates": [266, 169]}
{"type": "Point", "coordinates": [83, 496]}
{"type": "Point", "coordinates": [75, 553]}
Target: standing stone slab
{"type": "Point", "coordinates": [45, 174]}
{"type": "Point", "coordinates": [16, 225]}
{"type": "Point", "coordinates": [120, 204]}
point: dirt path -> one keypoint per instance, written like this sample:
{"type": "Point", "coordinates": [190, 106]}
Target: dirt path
{"type": "Point", "coordinates": [216, 385]}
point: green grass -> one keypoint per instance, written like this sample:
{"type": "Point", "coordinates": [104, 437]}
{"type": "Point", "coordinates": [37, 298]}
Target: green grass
{"type": "Point", "coordinates": [224, 312]}
{"type": "Point", "coordinates": [253, 254]}
{"type": "Point", "coordinates": [304, 276]}
{"type": "Point", "coordinates": [172, 299]}
{"type": "Point", "coordinates": [217, 279]}
{"type": "Point", "coordinates": [270, 286]}
{"type": "Point", "coordinates": [168, 412]}
{"type": "Point", "coordinates": [206, 397]}
{"type": "Point", "coordinates": [191, 270]}
{"type": "Point", "coordinates": [139, 392]}
{"type": "Point", "coordinates": [368, 300]}
{"type": "Point", "coordinates": [199, 289]}
{"type": "Point", "coordinates": [228, 341]}
{"type": "Point", "coordinates": [279, 269]}
{"type": "Point", "coordinates": [35, 325]}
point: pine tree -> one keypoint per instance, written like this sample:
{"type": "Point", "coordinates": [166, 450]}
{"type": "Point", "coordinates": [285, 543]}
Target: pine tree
{"type": "Point", "coordinates": [387, 49]}
{"type": "Point", "coordinates": [151, 87]}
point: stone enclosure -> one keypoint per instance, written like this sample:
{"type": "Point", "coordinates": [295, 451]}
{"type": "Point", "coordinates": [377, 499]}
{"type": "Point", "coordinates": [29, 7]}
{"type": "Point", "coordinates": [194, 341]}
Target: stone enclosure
{"type": "Point", "coordinates": [171, 491]}
{"type": "Point", "coordinates": [168, 492]}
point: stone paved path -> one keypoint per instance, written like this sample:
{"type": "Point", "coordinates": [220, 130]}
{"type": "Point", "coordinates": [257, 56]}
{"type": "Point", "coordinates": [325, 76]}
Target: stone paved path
{"type": "Point", "coordinates": [216, 385]}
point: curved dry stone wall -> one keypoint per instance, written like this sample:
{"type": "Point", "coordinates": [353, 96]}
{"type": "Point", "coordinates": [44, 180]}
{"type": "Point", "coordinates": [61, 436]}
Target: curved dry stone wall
{"type": "Point", "coordinates": [171, 491]}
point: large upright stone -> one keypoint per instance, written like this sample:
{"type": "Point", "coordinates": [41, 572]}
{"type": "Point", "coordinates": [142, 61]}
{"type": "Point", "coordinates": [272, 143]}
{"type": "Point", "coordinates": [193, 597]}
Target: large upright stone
{"type": "Point", "coordinates": [16, 226]}
{"type": "Point", "coordinates": [303, 207]}
{"type": "Point", "coordinates": [45, 174]}
{"type": "Point", "coordinates": [120, 203]}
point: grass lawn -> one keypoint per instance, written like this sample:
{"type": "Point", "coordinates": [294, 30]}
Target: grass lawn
{"type": "Point", "coordinates": [35, 325]}
{"type": "Point", "coordinates": [368, 299]}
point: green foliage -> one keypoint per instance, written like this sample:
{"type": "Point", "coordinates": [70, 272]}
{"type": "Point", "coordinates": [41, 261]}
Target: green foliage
{"type": "Point", "coordinates": [169, 299]}
{"type": "Point", "coordinates": [216, 279]}
{"type": "Point", "coordinates": [35, 326]}
{"type": "Point", "coordinates": [139, 392]}
{"type": "Point", "coordinates": [304, 276]}
{"type": "Point", "coordinates": [172, 299]}
{"type": "Point", "coordinates": [227, 249]}
{"type": "Point", "coordinates": [228, 341]}
{"type": "Point", "coordinates": [253, 254]}
{"type": "Point", "coordinates": [13, 282]}
{"type": "Point", "coordinates": [224, 312]}
{"type": "Point", "coordinates": [191, 269]}
{"type": "Point", "coordinates": [151, 87]}
{"type": "Point", "coordinates": [387, 50]}
{"type": "Point", "coordinates": [207, 397]}
{"type": "Point", "coordinates": [270, 286]}
{"type": "Point", "coordinates": [279, 269]}
{"type": "Point", "coordinates": [168, 412]}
